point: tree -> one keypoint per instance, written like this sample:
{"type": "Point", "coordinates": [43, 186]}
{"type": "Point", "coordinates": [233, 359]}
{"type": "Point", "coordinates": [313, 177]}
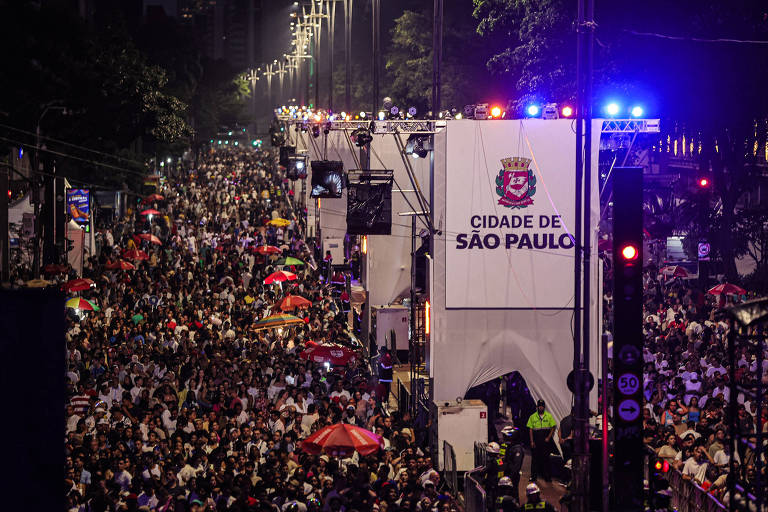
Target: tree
{"type": "Point", "coordinates": [537, 46]}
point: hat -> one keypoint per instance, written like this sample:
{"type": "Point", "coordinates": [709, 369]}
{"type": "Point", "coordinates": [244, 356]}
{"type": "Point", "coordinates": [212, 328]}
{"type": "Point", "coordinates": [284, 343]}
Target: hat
{"type": "Point", "coordinates": [196, 502]}
{"type": "Point", "coordinates": [540, 403]}
{"type": "Point", "coordinates": [532, 488]}
{"type": "Point", "coordinates": [325, 458]}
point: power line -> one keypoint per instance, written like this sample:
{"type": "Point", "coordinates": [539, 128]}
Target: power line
{"type": "Point", "coordinates": [86, 160]}
{"type": "Point", "coordinates": [58, 141]}
{"type": "Point", "coordinates": [693, 39]}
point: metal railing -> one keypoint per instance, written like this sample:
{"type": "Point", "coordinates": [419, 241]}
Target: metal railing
{"type": "Point", "coordinates": [449, 467]}
{"type": "Point", "coordinates": [480, 453]}
{"type": "Point", "coordinates": [689, 497]}
{"type": "Point", "coordinates": [474, 495]}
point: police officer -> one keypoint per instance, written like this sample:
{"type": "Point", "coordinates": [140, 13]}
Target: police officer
{"type": "Point", "coordinates": [541, 427]}
{"type": "Point", "coordinates": [512, 453]}
{"type": "Point", "coordinates": [507, 496]}
{"type": "Point", "coordinates": [534, 501]}
{"type": "Point", "coordinates": [494, 471]}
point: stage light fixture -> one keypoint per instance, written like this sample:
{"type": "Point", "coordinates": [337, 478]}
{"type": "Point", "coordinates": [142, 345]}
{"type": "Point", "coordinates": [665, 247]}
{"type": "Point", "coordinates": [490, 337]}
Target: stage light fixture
{"type": "Point", "coordinates": [612, 109]}
{"type": "Point", "coordinates": [703, 182]}
{"type": "Point", "coordinates": [416, 146]}
{"type": "Point", "coordinates": [566, 111]}
{"type": "Point", "coordinates": [361, 137]}
{"type": "Point", "coordinates": [382, 115]}
{"type": "Point", "coordinates": [549, 111]}
{"type": "Point", "coordinates": [412, 111]}
{"type": "Point", "coordinates": [637, 111]}
{"type": "Point", "coordinates": [532, 110]}
{"type": "Point", "coordinates": [394, 110]}
{"type": "Point", "coordinates": [496, 112]}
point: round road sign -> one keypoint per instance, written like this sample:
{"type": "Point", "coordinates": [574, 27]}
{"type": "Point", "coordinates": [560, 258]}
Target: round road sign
{"type": "Point", "coordinates": [629, 354]}
{"type": "Point", "coordinates": [629, 410]}
{"type": "Point", "coordinates": [628, 384]}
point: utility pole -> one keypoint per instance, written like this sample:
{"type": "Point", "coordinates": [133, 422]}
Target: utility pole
{"type": "Point", "coordinates": [348, 55]}
{"type": "Point", "coordinates": [376, 18]}
{"type": "Point", "coordinates": [583, 234]}
{"type": "Point", "coordinates": [437, 56]}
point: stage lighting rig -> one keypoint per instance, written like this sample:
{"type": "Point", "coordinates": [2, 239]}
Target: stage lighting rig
{"type": "Point", "coordinates": [361, 137]}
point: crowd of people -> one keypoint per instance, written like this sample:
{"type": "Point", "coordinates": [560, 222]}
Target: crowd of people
{"type": "Point", "coordinates": [687, 387]}
{"type": "Point", "coordinates": [178, 403]}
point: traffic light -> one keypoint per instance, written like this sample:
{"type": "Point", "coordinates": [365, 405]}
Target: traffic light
{"type": "Point", "coordinates": [628, 334]}
{"type": "Point", "coordinates": [658, 486]}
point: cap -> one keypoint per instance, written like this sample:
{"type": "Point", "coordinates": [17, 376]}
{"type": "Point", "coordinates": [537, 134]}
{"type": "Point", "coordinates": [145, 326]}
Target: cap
{"type": "Point", "coordinates": [540, 403]}
{"type": "Point", "coordinates": [532, 488]}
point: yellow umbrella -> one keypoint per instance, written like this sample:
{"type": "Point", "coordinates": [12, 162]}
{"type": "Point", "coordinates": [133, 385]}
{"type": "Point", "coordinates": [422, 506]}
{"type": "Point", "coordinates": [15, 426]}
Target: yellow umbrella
{"type": "Point", "coordinates": [38, 283]}
{"type": "Point", "coordinates": [279, 320]}
{"type": "Point", "coordinates": [279, 222]}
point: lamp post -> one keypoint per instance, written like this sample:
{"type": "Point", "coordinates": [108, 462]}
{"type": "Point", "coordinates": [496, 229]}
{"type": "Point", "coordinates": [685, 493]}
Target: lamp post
{"type": "Point", "coordinates": [315, 21]}
{"type": "Point", "coordinates": [253, 77]}
{"type": "Point", "coordinates": [331, 19]}
{"type": "Point", "coordinates": [376, 19]}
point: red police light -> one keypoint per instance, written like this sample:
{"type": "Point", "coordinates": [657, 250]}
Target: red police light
{"type": "Point", "coordinates": [703, 182]}
{"type": "Point", "coordinates": [629, 252]}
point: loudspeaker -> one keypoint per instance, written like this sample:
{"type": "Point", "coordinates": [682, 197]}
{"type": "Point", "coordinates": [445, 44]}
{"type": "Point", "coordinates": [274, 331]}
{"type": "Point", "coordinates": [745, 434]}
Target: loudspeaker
{"type": "Point", "coordinates": [369, 208]}
{"type": "Point", "coordinates": [286, 152]}
{"type": "Point", "coordinates": [327, 179]}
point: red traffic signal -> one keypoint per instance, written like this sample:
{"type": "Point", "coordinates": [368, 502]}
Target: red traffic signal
{"type": "Point", "coordinates": [629, 252]}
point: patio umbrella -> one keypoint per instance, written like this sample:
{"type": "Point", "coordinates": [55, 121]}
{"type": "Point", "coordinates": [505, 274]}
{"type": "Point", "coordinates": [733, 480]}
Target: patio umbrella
{"type": "Point", "coordinates": [674, 271]}
{"type": "Point", "coordinates": [81, 303]}
{"type": "Point", "coordinates": [150, 211]}
{"type": "Point", "coordinates": [274, 321]}
{"type": "Point", "coordinates": [331, 354]}
{"type": "Point", "coordinates": [78, 285]}
{"type": "Point", "coordinates": [290, 260]}
{"type": "Point", "coordinates": [135, 254]}
{"type": "Point", "coordinates": [291, 302]}
{"type": "Point", "coordinates": [726, 289]}
{"type": "Point", "coordinates": [53, 268]}
{"type": "Point", "coordinates": [267, 249]}
{"type": "Point", "coordinates": [37, 283]}
{"type": "Point", "coordinates": [279, 277]}
{"type": "Point", "coordinates": [120, 265]}
{"type": "Point", "coordinates": [279, 222]}
{"type": "Point", "coordinates": [148, 237]}
{"type": "Point", "coordinates": [342, 440]}
{"type": "Point", "coordinates": [152, 197]}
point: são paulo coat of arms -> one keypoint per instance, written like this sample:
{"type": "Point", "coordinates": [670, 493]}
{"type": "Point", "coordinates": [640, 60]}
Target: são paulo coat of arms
{"type": "Point", "coordinates": [515, 183]}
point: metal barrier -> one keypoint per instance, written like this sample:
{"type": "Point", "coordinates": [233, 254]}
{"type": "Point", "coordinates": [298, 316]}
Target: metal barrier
{"type": "Point", "coordinates": [481, 453]}
{"type": "Point", "coordinates": [474, 494]}
{"type": "Point", "coordinates": [449, 467]}
{"type": "Point", "coordinates": [403, 397]}
{"type": "Point", "coordinates": [689, 497]}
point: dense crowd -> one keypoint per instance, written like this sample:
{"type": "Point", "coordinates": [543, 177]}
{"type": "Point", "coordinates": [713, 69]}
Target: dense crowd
{"type": "Point", "coordinates": [686, 384]}
{"type": "Point", "coordinates": [177, 402]}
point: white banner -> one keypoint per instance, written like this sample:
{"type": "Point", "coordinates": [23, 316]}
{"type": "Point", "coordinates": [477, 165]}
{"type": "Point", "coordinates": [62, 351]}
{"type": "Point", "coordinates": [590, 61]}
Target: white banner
{"type": "Point", "coordinates": [509, 215]}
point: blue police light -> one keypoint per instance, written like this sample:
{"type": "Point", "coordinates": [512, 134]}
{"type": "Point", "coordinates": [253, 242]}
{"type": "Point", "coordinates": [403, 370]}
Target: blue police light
{"type": "Point", "coordinates": [637, 111]}
{"type": "Point", "coordinates": [612, 109]}
{"type": "Point", "coordinates": [533, 110]}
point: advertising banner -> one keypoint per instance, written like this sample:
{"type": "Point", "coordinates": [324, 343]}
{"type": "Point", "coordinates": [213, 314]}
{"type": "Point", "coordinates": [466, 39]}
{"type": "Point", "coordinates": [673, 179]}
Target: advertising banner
{"type": "Point", "coordinates": [509, 221]}
{"type": "Point", "coordinates": [79, 205]}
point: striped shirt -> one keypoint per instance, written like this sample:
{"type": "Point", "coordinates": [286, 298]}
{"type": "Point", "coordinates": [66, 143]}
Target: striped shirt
{"type": "Point", "coordinates": [81, 403]}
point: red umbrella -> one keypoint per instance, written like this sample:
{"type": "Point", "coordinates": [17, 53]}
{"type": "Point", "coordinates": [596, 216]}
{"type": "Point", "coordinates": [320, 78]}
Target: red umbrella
{"type": "Point", "coordinates": [148, 237]}
{"type": "Point", "coordinates": [332, 354]}
{"type": "Point", "coordinates": [291, 302]}
{"type": "Point", "coordinates": [153, 197]}
{"type": "Point", "coordinates": [135, 254]}
{"type": "Point", "coordinates": [78, 285]}
{"type": "Point", "coordinates": [267, 249]}
{"type": "Point", "coordinates": [53, 268]}
{"type": "Point", "coordinates": [280, 276]}
{"type": "Point", "coordinates": [726, 289]}
{"type": "Point", "coordinates": [120, 265]}
{"type": "Point", "coordinates": [674, 271]}
{"type": "Point", "coordinates": [342, 440]}
{"type": "Point", "coordinates": [150, 211]}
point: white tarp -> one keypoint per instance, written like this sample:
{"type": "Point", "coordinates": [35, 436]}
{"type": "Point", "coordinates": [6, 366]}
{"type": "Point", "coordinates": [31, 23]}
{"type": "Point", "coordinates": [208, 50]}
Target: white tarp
{"type": "Point", "coordinates": [389, 256]}
{"type": "Point", "coordinates": [496, 309]}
